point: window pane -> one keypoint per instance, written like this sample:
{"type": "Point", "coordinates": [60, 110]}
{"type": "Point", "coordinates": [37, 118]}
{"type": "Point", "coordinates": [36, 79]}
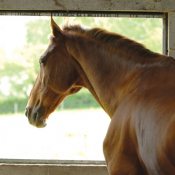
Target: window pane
{"type": "Point", "coordinates": [77, 128]}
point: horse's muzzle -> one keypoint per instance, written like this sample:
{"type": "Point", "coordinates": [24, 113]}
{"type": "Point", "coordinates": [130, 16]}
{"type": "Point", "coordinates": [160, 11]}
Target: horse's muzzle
{"type": "Point", "coordinates": [35, 118]}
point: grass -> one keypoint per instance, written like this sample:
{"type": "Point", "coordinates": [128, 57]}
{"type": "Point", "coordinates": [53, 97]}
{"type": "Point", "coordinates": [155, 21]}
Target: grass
{"type": "Point", "coordinates": [73, 134]}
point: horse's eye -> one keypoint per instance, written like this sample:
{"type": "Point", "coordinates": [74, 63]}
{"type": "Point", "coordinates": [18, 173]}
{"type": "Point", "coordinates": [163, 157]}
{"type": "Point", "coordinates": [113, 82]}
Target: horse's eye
{"type": "Point", "coordinates": [42, 61]}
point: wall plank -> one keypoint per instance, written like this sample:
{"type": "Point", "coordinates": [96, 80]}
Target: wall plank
{"type": "Point", "coordinates": [89, 5]}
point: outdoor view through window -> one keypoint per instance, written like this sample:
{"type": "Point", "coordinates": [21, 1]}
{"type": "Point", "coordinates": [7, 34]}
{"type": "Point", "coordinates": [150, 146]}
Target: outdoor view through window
{"type": "Point", "coordinates": [77, 128]}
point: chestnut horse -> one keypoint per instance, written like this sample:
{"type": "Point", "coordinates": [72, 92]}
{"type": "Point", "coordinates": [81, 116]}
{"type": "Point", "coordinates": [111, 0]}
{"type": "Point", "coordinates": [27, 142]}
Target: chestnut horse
{"type": "Point", "coordinates": [135, 86]}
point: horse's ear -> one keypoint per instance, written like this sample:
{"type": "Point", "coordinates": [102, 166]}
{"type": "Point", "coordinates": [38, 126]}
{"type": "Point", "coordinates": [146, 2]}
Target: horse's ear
{"type": "Point", "coordinates": [56, 31]}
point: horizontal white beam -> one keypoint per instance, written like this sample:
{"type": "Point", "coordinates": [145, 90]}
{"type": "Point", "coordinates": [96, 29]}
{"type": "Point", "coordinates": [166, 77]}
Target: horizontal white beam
{"type": "Point", "coordinates": [52, 167]}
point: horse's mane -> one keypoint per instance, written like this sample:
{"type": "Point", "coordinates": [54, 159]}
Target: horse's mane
{"type": "Point", "coordinates": [115, 42]}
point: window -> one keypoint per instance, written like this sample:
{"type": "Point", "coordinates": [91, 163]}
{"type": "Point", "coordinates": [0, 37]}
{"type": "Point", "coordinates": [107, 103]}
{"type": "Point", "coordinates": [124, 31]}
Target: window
{"type": "Point", "coordinates": [23, 41]}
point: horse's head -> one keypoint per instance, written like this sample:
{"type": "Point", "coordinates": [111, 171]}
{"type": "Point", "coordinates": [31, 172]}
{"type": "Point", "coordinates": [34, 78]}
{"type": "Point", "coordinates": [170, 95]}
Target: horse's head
{"type": "Point", "coordinates": [56, 79]}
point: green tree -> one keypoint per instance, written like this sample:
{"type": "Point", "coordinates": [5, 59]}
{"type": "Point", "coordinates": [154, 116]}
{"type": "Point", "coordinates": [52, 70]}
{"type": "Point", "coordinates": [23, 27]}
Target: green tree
{"type": "Point", "coordinates": [147, 31]}
{"type": "Point", "coordinates": [38, 30]}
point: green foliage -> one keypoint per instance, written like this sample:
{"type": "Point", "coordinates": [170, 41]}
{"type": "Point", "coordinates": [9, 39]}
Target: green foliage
{"type": "Point", "coordinates": [7, 106]}
{"type": "Point", "coordinates": [144, 30]}
{"type": "Point", "coordinates": [147, 31]}
{"type": "Point", "coordinates": [38, 30]}
{"type": "Point", "coordinates": [83, 99]}
{"type": "Point", "coordinates": [14, 73]}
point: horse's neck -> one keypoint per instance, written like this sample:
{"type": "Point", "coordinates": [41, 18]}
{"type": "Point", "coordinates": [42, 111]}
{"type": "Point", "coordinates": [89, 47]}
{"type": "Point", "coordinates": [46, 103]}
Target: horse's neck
{"type": "Point", "coordinates": [100, 71]}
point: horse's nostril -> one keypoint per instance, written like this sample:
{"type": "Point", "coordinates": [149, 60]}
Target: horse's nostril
{"type": "Point", "coordinates": [35, 115]}
{"type": "Point", "coordinates": [26, 112]}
